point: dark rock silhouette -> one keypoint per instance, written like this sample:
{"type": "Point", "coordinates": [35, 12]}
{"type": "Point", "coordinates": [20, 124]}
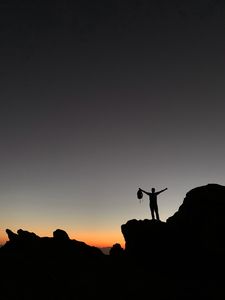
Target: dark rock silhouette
{"type": "Point", "coordinates": [201, 218]}
{"type": "Point", "coordinates": [11, 235]}
{"type": "Point", "coordinates": [60, 235]}
{"type": "Point", "coordinates": [116, 251]}
{"type": "Point", "coordinates": [22, 235]}
{"type": "Point", "coordinates": [26, 235]}
{"type": "Point", "coordinates": [145, 237]}
{"type": "Point", "coordinates": [181, 258]}
{"type": "Point", "coordinates": [28, 243]}
{"type": "Point", "coordinates": [192, 239]}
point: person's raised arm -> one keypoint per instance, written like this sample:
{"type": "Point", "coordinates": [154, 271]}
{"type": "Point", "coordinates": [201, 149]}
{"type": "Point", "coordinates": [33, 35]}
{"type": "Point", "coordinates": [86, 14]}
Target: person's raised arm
{"type": "Point", "coordinates": [161, 191]}
{"type": "Point", "coordinates": [144, 191]}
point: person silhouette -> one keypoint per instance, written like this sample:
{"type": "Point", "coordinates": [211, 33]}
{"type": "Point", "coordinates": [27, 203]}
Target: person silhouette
{"type": "Point", "coordinates": [153, 201]}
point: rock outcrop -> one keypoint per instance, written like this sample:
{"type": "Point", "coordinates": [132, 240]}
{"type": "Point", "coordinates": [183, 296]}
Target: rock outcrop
{"type": "Point", "coordinates": [183, 257]}
{"type": "Point", "coordinates": [60, 235]}
{"type": "Point", "coordinates": [201, 218]}
{"type": "Point", "coordinates": [27, 243]}
{"type": "Point", "coordinates": [116, 251]}
{"type": "Point", "coordinates": [197, 229]}
{"type": "Point", "coordinates": [145, 237]}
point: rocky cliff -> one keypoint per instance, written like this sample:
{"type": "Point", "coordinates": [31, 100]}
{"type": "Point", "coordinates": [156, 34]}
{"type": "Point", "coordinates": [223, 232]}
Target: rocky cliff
{"type": "Point", "coordinates": [196, 229]}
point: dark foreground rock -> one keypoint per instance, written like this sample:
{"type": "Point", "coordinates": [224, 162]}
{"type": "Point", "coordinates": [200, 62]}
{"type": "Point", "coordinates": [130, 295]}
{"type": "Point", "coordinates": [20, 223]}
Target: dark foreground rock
{"type": "Point", "coordinates": [192, 239]}
{"type": "Point", "coordinates": [28, 244]}
{"type": "Point", "coordinates": [201, 218]}
{"type": "Point", "coordinates": [145, 237]}
{"type": "Point", "coordinates": [182, 258]}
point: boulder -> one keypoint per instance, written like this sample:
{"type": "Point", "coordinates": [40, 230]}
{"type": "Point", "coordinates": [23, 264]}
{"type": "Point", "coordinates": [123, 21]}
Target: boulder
{"type": "Point", "coordinates": [145, 237]}
{"type": "Point", "coordinates": [60, 235]}
{"type": "Point", "coordinates": [116, 251]}
{"type": "Point", "coordinates": [201, 218]}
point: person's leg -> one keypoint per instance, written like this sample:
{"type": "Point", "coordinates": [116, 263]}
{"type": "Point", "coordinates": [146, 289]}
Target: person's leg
{"type": "Point", "coordinates": [157, 212]}
{"type": "Point", "coordinates": [152, 212]}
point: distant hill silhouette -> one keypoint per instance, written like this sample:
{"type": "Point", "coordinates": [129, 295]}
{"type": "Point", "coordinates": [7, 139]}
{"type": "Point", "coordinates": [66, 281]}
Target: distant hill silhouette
{"type": "Point", "coordinates": [116, 251]}
{"type": "Point", "coordinates": [28, 243]}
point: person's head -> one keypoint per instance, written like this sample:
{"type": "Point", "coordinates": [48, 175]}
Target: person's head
{"type": "Point", "coordinates": [153, 190]}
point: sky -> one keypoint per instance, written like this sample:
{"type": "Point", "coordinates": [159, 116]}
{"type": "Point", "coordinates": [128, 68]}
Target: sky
{"type": "Point", "coordinates": [99, 98]}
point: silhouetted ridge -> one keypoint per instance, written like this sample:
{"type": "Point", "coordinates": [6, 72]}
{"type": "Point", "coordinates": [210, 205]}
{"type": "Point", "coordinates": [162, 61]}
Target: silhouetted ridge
{"type": "Point", "coordinates": [194, 235]}
{"type": "Point", "coordinates": [201, 217]}
{"type": "Point", "coordinates": [60, 245]}
{"type": "Point", "coordinates": [182, 258]}
{"type": "Point", "coordinates": [22, 235]}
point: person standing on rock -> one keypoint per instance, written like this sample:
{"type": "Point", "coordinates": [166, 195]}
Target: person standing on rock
{"type": "Point", "coordinates": [153, 201]}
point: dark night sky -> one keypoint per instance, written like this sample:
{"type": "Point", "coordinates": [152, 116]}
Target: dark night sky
{"type": "Point", "coordinates": [101, 97]}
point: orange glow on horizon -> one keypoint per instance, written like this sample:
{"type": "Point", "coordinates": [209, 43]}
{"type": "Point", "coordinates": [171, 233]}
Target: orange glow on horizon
{"type": "Point", "coordinates": [97, 239]}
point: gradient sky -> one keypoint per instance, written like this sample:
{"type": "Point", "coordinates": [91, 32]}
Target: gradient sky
{"type": "Point", "coordinates": [101, 97]}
